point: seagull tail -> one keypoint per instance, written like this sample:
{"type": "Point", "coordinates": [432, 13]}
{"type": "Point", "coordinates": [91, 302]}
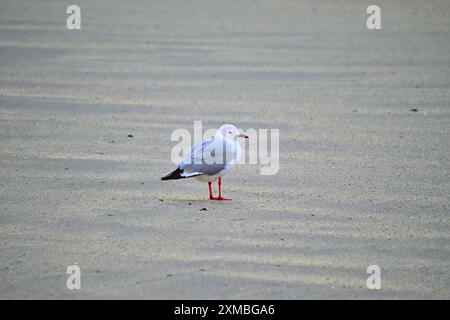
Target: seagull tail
{"type": "Point", "coordinates": [176, 174]}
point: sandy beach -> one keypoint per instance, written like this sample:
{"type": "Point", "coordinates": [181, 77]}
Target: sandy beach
{"type": "Point", "coordinates": [364, 177]}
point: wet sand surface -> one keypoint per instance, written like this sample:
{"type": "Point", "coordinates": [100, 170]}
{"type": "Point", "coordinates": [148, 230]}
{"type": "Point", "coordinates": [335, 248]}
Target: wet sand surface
{"type": "Point", "coordinates": [363, 179]}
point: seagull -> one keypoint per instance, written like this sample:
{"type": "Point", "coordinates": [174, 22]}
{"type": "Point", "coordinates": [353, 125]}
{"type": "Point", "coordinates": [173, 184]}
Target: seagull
{"type": "Point", "coordinates": [212, 159]}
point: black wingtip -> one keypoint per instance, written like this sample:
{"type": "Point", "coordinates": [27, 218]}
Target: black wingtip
{"type": "Point", "coordinates": [176, 174]}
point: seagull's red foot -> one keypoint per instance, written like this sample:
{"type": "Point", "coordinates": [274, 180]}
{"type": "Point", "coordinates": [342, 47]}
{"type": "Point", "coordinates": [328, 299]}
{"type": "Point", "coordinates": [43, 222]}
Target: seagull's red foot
{"type": "Point", "coordinates": [219, 198]}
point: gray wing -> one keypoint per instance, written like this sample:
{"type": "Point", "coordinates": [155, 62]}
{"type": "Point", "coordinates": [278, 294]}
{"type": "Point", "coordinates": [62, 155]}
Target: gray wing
{"type": "Point", "coordinates": [200, 160]}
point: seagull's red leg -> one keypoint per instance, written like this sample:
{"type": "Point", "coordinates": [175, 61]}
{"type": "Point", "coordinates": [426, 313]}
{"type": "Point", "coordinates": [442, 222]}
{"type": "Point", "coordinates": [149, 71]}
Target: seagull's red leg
{"type": "Point", "coordinates": [219, 183]}
{"type": "Point", "coordinates": [210, 191]}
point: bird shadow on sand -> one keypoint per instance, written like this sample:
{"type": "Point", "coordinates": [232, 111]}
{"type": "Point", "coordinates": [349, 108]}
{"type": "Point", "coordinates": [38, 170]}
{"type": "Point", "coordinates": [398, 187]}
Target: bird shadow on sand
{"type": "Point", "coordinates": [198, 201]}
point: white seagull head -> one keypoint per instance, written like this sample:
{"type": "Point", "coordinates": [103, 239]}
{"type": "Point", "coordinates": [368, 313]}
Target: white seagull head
{"type": "Point", "coordinates": [228, 131]}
